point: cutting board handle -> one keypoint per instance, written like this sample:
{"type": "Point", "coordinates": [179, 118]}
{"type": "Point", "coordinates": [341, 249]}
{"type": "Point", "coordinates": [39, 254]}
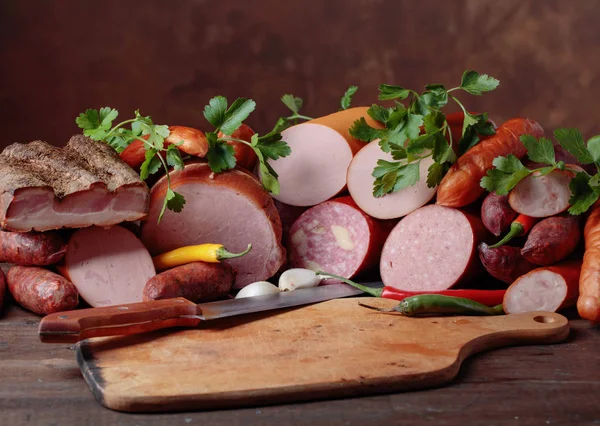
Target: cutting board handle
{"type": "Point", "coordinates": [73, 326]}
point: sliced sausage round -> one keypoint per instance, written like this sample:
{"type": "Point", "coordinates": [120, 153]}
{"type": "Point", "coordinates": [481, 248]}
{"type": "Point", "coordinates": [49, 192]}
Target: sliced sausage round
{"type": "Point", "coordinates": [41, 291]}
{"type": "Point", "coordinates": [109, 266]}
{"type": "Point", "coordinates": [31, 248]}
{"type": "Point", "coordinates": [431, 249]}
{"type": "Point", "coordinates": [395, 204]}
{"type": "Point", "coordinates": [542, 196]}
{"type": "Point", "coordinates": [229, 208]}
{"type": "Point", "coordinates": [322, 149]}
{"type": "Point", "coordinates": [336, 237]}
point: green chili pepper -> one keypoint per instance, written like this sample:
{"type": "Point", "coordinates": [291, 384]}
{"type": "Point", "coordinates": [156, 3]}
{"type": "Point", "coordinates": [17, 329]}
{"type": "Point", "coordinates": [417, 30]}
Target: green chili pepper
{"type": "Point", "coordinates": [427, 304]}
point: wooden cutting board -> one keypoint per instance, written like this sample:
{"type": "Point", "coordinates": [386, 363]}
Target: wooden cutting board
{"type": "Point", "coordinates": [327, 350]}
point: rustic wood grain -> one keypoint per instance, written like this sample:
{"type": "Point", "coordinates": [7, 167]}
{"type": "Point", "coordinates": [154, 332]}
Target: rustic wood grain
{"type": "Point", "coordinates": [168, 57]}
{"type": "Point", "coordinates": [558, 384]}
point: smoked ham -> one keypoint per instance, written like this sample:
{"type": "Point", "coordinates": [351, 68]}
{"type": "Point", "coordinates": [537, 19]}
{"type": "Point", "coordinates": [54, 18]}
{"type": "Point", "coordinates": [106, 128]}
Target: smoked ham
{"type": "Point", "coordinates": [229, 208]}
{"type": "Point", "coordinates": [85, 183]}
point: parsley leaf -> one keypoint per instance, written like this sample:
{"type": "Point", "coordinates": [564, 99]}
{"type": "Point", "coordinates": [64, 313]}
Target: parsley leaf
{"type": "Point", "coordinates": [392, 177]}
{"type": "Point", "coordinates": [379, 113]}
{"type": "Point", "coordinates": [281, 124]}
{"type": "Point", "coordinates": [583, 196]}
{"type": "Point", "coordinates": [387, 92]}
{"type": "Point", "coordinates": [442, 150]}
{"type": "Point", "coordinates": [435, 173]}
{"type": "Point", "coordinates": [476, 84]}
{"type": "Point", "coordinates": [347, 98]}
{"type": "Point", "coordinates": [215, 111]}
{"type": "Point", "coordinates": [436, 95]}
{"type": "Point", "coordinates": [239, 110]}
{"type": "Point", "coordinates": [220, 154]}
{"type": "Point", "coordinates": [508, 172]}
{"type": "Point", "coordinates": [292, 102]}
{"type": "Point", "coordinates": [174, 157]}
{"type": "Point", "coordinates": [539, 151]}
{"type": "Point", "coordinates": [96, 124]}
{"type": "Point", "coordinates": [593, 146]}
{"type": "Point", "coordinates": [363, 132]}
{"type": "Point", "coordinates": [150, 165]}
{"type": "Point", "coordinates": [572, 141]}
{"type": "Point", "coordinates": [271, 146]}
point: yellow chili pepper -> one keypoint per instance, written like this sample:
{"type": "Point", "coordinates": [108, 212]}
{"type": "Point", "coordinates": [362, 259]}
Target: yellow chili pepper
{"type": "Point", "coordinates": [212, 253]}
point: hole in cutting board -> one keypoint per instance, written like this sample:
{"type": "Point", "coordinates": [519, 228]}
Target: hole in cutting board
{"type": "Point", "coordinates": [544, 319]}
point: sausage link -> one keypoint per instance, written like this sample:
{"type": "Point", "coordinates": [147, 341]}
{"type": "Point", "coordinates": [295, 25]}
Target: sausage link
{"type": "Point", "coordinates": [588, 304]}
{"type": "Point", "coordinates": [31, 248]}
{"type": "Point", "coordinates": [2, 290]}
{"type": "Point", "coordinates": [496, 213]}
{"type": "Point", "coordinates": [551, 240]}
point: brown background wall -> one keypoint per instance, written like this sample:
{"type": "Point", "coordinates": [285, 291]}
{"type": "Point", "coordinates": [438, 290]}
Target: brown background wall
{"type": "Point", "coordinates": [59, 57]}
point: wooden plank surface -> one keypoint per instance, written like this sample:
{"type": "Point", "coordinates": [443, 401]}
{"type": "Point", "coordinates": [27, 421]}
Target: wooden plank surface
{"type": "Point", "coordinates": [530, 385]}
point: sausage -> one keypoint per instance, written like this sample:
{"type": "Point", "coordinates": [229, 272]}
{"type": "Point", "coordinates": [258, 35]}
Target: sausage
{"type": "Point", "coordinates": [41, 291]}
{"type": "Point", "coordinates": [288, 215]}
{"type": "Point", "coordinates": [2, 290]}
{"type": "Point", "coordinates": [496, 213]}
{"type": "Point", "coordinates": [549, 289]}
{"type": "Point", "coordinates": [542, 196]}
{"type": "Point", "coordinates": [197, 281]}
{"type": "Point", "coordinates": [337, 237]}
{"type": "Point", "coordinates": [230, 208]}
{"type": "Point", "coordinates": [395, 204]}
{"type": "Point", "coordinates": [322, 149]}
{"type": "Point", "coordinates": [588, 304]}
{"type": "Point", "coordinates": [551, 240]}
{"type": "Point", "coordinates": [109, 266]}
{"type": "Point", "coordinates": [31, 248]}
{"type": "Point", "coordinates": [505, 263]}
{"type": "Point", "coordinates": [244, 155]}
{"type": "Point", "coordinates": [433, 248]}
{"type": "Point", "coordinates": [192, 141]}
{"type": "Point", "coordinates": [461, 185]}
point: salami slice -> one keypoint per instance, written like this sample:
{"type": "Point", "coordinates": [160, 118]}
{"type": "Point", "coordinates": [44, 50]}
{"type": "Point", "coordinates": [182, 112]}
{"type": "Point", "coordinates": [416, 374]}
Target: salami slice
{"type": "Point", "coordinates": [337, 237]}
{"type": "Point", "coordinates": [432, 249]}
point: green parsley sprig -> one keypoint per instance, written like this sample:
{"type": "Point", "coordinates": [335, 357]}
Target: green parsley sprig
{"type": "Point", "coordinates": [585, 189]}
{"type": "Point", "coordinates": [98, 125]}
{"type": "Point", "coordinates": [401, 135]}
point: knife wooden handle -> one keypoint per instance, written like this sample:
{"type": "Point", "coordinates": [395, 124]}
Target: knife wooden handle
{"type": "Point", "coordinates": [73, 326]}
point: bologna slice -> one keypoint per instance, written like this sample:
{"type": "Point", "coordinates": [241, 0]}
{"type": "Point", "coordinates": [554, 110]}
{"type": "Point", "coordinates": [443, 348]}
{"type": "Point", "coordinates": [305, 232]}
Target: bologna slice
{"type": "Point", "coordinates": [394, 205]}
{"type": "Point", "coordinates": [322, 149]}
{"type": "Point", "coordinates": [337, 237]}
{"type": "Point", "coordinates": [544, 289]}
{"type": "Point", "coordinates": [229, 208]}
{"type": "Point", "coordinates": [109, 266]}
{"type": "Point", "coordinates": [431, 249]}
{"type": "Point", "coordinates": [542, 196]}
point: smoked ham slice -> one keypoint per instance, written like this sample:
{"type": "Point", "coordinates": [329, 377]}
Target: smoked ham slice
{"type": "Point", "coordinates": [229, 208]}
{"type": "Point", "coordinates": [43, 187]}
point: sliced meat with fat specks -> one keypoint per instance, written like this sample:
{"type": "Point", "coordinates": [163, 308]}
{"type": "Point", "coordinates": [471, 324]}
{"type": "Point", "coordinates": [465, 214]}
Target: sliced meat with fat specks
{"type": "Point", "coordinates": [44, 187]}
{"type": "Point", "coordinates": [395, 204]}
{"type": "Point", "coordinates": [322, 149]}
{"type": "Point", "coordinates": [542, 196]}
{"type": "Point", "coordinates": [109, 266]}
{"type": "Point", "coordinates": [229, 208]}
{"type": "Point", "coordinates": [337, 237]}
{"type": "Point", "coordinates": [544, 289]}
{"type": "Point", "coordinates": [433, 248]}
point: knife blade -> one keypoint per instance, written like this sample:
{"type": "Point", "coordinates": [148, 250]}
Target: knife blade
{"type": "Point", "coordinates": [73, 326]}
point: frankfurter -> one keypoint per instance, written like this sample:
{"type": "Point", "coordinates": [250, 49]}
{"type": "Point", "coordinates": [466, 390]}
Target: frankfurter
{"type": "Point", "coordinates": [588, 304]}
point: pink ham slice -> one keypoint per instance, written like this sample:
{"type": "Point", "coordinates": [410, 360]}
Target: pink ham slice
{"type": "Point", "coordinates": [109, 266]}
{"type": "Point", "coordinates": [85, 183]}
{"type": "Point", "coordinates": [229, 208]}
{"type": "Point", "coordinates": [431, 249]}
{"type": "Point", "coordinates": [394, 205]}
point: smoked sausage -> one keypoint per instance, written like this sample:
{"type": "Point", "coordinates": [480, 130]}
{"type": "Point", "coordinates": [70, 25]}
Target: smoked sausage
{"type": "Point", "coordinates": [31, 248]}
{"type": "Point", "coordinates": [2, 290]}
{"type": "Point", "coordinates": [505, 263]}
{"type": "Point", "coordinates": [496, 213]}
{"type": "Point", "coordinates": [588, 304]}
{"type": "Point", "coordinates": [551, 240]}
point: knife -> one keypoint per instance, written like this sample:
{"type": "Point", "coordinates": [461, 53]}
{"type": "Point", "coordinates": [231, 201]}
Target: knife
{"type": "Point", "coordinates": [133, 318]}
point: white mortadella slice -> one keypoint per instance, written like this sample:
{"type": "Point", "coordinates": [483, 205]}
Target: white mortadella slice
{"type": "Point", "coordinates": [322, 149]}
{"type": "Point", "coordinates": [109, 266]}
{"type": "Point", "coordinates": [431, 249]}
{"type": "Point", "coordinates": [395, 204]}
{"type": "Point", "coordinates": [542, 196]}
{"type": "Point", "coordinates": [547, 289]}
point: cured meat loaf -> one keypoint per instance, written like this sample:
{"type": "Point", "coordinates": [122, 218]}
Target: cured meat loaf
{"type": "Point", "coordinates": [85, 183]}
{"type": "Point", "coordinates": [337, 237]}
{"type": "Point", "coordinates": [322, 149]}
{"type": "Point", "coordinates": [431, 249]}
{"type": "Point", "coordinates": [229, 208]}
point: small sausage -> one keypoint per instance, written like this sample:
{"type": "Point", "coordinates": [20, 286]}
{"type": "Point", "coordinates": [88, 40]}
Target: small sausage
{"type": "Point", "coordinates": [244, 155]}
{"type": "Point", "coordinates": [496, 213]}
{"type": "Point", "coordinates": [2, 290]}
{"type": "Point", "coordinates": [542, 196]}
{"type": "Point", "coordinates": [588, 304]}
{"type": "Point", "coordinates": [461, 185]}
{"type": "Point", "coordinates": [544, 289]}
{"type": "Point", "coordinates": [197, 281]}
{"type": "Point", "coordinates": [31, 248]}
{"type": "Point", "coordinates": [41, 291]}
{"type": "Point", "coordinates": [552, 240]}
{"type": "Point", "coordinates": [504, 263]}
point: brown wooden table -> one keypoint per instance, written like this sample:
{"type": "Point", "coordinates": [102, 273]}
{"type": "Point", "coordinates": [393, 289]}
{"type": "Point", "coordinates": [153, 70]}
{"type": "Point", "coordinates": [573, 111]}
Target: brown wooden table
{"type": "Point", "coordinates": [40, 384]}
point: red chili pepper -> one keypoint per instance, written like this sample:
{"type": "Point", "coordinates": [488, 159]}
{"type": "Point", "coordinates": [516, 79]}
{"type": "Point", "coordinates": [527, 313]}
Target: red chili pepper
{"type": "Point", "coordinates": [519, 227]}
{"type": "Point", "coordinates": [485, 297]}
